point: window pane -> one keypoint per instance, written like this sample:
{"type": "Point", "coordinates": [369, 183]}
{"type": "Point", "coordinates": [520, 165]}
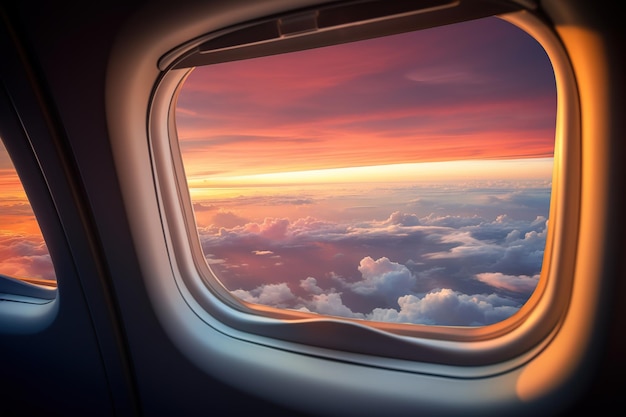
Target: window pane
{"type": "Point", "coordinates": [23, 252]}
{"type": "Point", "coordinates": [399, 179]}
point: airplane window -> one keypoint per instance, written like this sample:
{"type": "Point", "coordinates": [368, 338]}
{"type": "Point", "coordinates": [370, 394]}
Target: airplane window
{"type": "Point", "coordinates": [402, 179]}
{"type": "Point", "coordinates": [23, 252]}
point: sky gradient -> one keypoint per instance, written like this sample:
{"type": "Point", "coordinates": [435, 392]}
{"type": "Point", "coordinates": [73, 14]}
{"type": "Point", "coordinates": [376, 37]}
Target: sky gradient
{"type": "Point", "coordinates": [403, 179]}
{"type": "Point", "coordinates": [381, 180]}
{"type": "Point", "coordinates": [442, 94]}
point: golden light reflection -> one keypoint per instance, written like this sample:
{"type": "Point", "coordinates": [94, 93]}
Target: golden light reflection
{"type": "Point", "coordinates": [447, 171]}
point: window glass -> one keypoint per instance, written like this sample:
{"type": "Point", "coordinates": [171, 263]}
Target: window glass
{"type": "Point", "coordinates": [399, 179]}
{"type": "Point", "coordinates": [23, 252]}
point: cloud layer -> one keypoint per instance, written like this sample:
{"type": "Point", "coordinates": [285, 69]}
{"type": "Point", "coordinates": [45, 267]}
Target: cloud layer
{"type": "Point", "coordinates": [25, 256]}
{"type": "Point", "coordinates": [449, 269]}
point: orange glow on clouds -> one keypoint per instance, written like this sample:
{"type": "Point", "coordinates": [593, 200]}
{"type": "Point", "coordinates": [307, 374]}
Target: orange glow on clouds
{"type": "Point", "coordinates": [23, 252]}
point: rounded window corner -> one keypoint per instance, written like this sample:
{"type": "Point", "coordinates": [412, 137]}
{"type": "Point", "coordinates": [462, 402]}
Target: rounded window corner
{"type": "Point", "coordinates": [21, 315]}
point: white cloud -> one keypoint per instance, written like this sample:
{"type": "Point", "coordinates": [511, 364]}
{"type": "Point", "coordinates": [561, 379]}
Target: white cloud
{"type": "Point", "coordinates": [309, 285]}
{"type": "Point", "coordinates": [383, 277]}
{"type": "Point", "coordinates": [466, 246]}
{"type": "Point", "coordinates": [403, 219]}
{"type": "Point", "coordinates": [450, 221]}
{"type": "Point", "coordinates": [447, 307]}
{"type": "Point", "coordinates": [332, 305]}
{"type": "Point", "coordinates": [504, 245]}
{"type": "Point", "coordinates": [517, 283]}
{"type": "Point", "coordinates": [440, 307]}
{"type": "Point", "coordinates": [275, 295]}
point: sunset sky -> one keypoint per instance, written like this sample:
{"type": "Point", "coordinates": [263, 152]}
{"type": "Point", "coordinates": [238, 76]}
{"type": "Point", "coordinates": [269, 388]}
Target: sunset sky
{"type": "Point", "coordinates": [477, 90]}
{"type": "Point", "coordinates": [23, 252]}
{"type": "Point", "coordinates": [402, 179]}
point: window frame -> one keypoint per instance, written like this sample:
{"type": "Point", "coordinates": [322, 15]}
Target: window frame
{"type": "Point", "coordinates": [546, 383]}
{"type": "Point", "coordinates": [417, 347]}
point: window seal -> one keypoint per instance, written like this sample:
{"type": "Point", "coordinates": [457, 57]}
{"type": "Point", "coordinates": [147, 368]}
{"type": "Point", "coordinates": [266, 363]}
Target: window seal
{"type": "Point", "coordinates": [32, 288]}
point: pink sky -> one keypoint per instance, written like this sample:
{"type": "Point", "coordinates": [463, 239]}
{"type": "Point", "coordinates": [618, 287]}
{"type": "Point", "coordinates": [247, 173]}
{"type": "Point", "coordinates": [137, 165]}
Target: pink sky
{"type": "Point", "coordinates": [458, 92]}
